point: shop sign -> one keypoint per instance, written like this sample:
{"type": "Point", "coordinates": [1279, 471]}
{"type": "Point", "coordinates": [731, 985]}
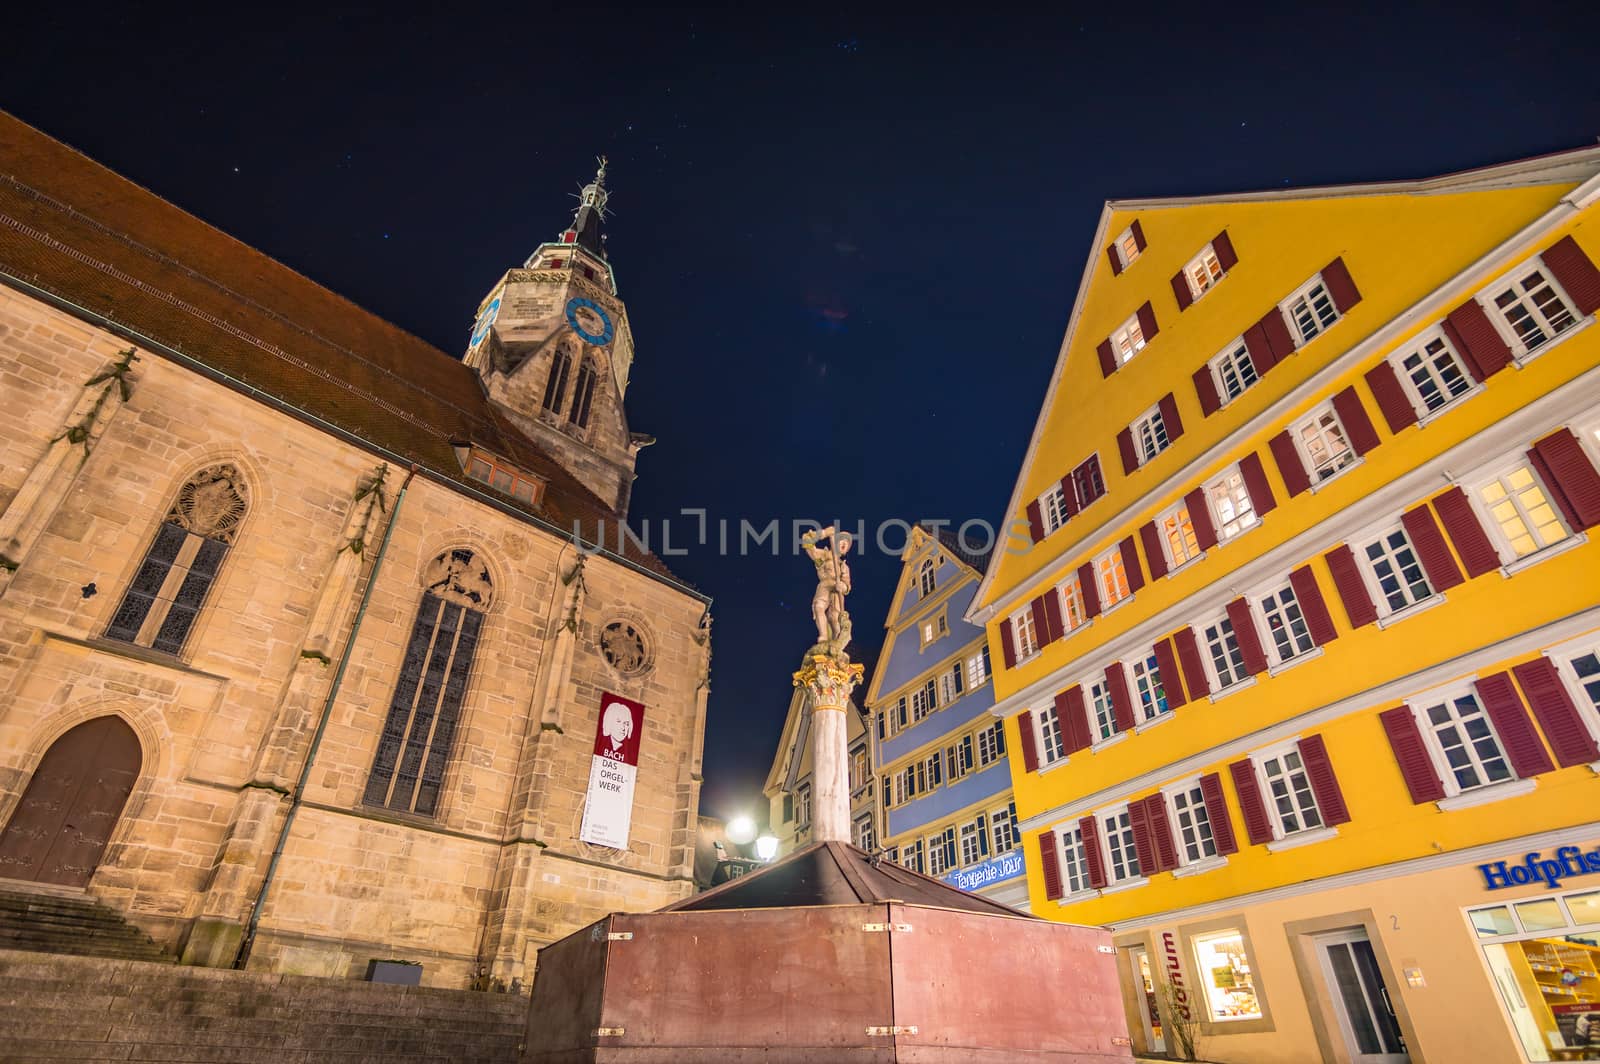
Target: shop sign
{"type": "Point", "coordinates": [1537, 868]}
{"type": "Point", "coordinates": [1006, 866]}
{"type": "Point", "coordinates": [1180, 994]}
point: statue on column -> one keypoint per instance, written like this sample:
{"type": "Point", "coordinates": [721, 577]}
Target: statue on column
{"type": "Point", "coordinates": [833, 584]}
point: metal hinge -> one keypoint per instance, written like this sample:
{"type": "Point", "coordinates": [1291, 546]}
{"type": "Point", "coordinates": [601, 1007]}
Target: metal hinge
{"type": "Point", "coordinates": [1106, 949]}
{"type": "Point", "coordinates": [903, 929]}
{"type": "Point", "coordinates": [619, 936]}
{"type": "Point", "coordinates": [608, 1032]}
{"type": "Point", "coordinates": [877, 1031]}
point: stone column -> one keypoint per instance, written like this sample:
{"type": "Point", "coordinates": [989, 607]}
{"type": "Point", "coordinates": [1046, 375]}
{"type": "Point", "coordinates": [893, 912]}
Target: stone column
{"type": "Point", "coordinates": [828, 679]}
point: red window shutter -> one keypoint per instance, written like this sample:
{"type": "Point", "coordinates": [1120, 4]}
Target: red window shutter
{"type": "Point", "coordinates": [1130, 458]}
{"type": "Point", "coordinates": [1260, 348]}
{"type": "Point", "coordinates": [1324, 784]}
{"type": "Point", "coordinates": [1570, 476]}
{"type": "Point", "coordinates": [1116, 259]}
{"type": "Point", "coordinates": [1478, 554]}
{"type": "Point", "coordinates": [1030, 745]}
{"type": "Point", "coordinates": [1392, 399]}
{"type": "Point", "coordinates": [1336, 275]}
{"type": "Point", "coordinates": [1180, 291]}
{"type": "Point", "coordinates": [1251, 805]}
{"type": "Point", "coordinates": [1168, 405]}
{"type": "Point", "coordinates": [1513, 726]}
{"type": "Point", "coordinates": [1194, 672]}
{"type": "Point", "coordinates": [1416, 767]}
{"type": "Point", "coordinates": [1051, 863]}
{"type": "Point", "coordinates": [1153, 553]}
{"type": "Point", "coordinates": [1576, 274]}
{"type": "Point", "coordinates": [1357, 425]}
{"type": "Point", "coordinates": [1008, 647]}
{"type": "Point", "coordinates": [1035, 521]}
{"type": "Point", "coordinates": [1569, 738]}
{"type": "Point", "coordinates": [1069, 492]}
{"type": "Point", "coordinates": [1217, 813]}
{"type": "Point", "coordinates": [1205, 533]}
{"type": "Point", "coordinates": [1091, 590]}
{"type": "Point", "coordinates": [1171, 681]}
{"type": "Point", "coordinates": [1278, 335]}
{"type": "Point", "coordinates": [1295, 477]}
{"type": "Point", "coordinates": [1041, 622]}
{"type": "Point", "coordinates": [1475, 338]}
{"type": "Point", "coordinates": [1130, 563]}
{"type": "Point", "coordinates": [1074, 716]}
{"type": "Point", "coordinates": [1205, 386]}
{"type": "Point", "coordinates": [1244, 631]}
{"type": "Point", "coordinates": [1139, 824]}
{"type": "Point", "coordinates": [1138, 235]}
{"type": "Point", "coordinates": [1052, 614]}
{"type": "Point", "coordinates": [1108, 361]}
{"type": "Point", "coordinates": [1358, 605]}
{"type": "Point", "coordinates": [1226, 258]}
{"type": "Point", "coordinates": [1437, 562]}
{"type": "Point", "coordinates": [1121, 701]}
{"type": "Point", "coordinates": [1161, 839]}
{"type": "Point", "coordinates": [1319, 622]}
{"type": "Point", "coordinates": [1147, 322]}
{"type": "Point", "coordinates": [1255, 482]}
{"type": "Point", "coordinates": [1092, 859]}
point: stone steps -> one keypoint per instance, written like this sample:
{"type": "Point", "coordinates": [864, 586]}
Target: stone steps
{"type": "Point", "coordinates": [61, 921]}
{"type": "Point", "coordinates": [59, 1008]}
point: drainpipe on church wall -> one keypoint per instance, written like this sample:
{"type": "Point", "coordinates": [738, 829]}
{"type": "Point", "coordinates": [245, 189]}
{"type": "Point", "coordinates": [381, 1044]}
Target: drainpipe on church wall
{"type": "Point", "coordinates": [297, 796]}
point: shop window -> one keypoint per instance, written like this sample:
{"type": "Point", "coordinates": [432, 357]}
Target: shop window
{"type": "Point", "coordinates": [1117, 827]}
{"type": "Point", "coordinates": [1544, 956]}
{"type": "Point", "coordinates": [1226, 977]}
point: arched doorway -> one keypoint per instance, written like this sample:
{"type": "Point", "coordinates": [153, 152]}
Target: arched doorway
{"type": "Point", "coordinates": [60, 828]}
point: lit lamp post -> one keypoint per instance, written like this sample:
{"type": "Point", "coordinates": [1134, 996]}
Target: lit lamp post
{"type": "Point", "coordinates": [767, 847]}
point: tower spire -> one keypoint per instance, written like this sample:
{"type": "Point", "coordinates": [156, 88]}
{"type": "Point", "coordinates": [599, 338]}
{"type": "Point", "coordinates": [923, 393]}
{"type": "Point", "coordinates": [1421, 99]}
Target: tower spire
{"type": "Point", "coordinates": [585, 229]}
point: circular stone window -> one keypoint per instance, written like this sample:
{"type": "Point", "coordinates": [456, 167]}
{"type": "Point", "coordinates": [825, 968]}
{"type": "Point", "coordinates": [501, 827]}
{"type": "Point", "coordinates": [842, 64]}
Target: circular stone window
{"type": "Point", "coordinates": [624, 646]}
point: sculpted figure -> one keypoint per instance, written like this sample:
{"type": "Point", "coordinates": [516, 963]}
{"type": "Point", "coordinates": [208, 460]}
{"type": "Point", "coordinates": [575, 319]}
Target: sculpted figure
{"type": "Point", "coordinates": [833, 584]}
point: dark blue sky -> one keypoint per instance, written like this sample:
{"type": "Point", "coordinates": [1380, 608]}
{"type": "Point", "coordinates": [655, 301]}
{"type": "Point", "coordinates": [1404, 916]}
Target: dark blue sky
{"type": "Point", "coordinates": [848, 245]}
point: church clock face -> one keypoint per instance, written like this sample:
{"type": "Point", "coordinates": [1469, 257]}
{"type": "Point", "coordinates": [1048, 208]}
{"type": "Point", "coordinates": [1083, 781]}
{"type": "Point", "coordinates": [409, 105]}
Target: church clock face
{"type": "Point", "coordinates": [589, 320]}
{"type": "Point", "coordinates": [485, 322]}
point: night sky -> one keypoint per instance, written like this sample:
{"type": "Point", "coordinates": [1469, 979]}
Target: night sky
{"type": "Point", "coordinates": [848, 246]}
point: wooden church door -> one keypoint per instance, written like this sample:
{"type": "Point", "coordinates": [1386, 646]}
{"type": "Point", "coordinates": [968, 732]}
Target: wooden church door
{"type": "Point", "coordinates": [60, 828]}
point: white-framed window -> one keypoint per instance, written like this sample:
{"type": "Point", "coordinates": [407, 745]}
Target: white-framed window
{"type": "Point", "coordinates": [1113, 577]}
{"type": "Point", "coordinates": [991, 744]}
{"type": "Point", "coordinates": [938, 856]}
{"type": "Point", "coordinates": [1024, 639]}
{"type": "Point", "coordinates": [977, 668]}
{"type": "Point", "coordinates": [1431, 372]}
{"type": "Point", "coordinates": [1234, 371]}
{"type": "Point", "coordinates": [1224, 659]}
{"type": "Point", "coordinates": [1529, 308]}
{"type": "Point", "coordinates": [1191, 821]}
{"type": "Point", "coordinates": [948, 691]}
{"type": "Point", "coordinates": [860, 768]}
{"type": "Point", "coordinates": [1286, 623]}
{"type": "Point", "coordinates": [1227, 977]}
{"type": "Point", "coordinates": [1291, 803]}
{"type": "Point", "coordinates": [1053, 508]}
{"type": "Point", "coordinates": [1074, 861]}
{"type": "Point", "coordinates": [1150, 434]}
{"type": "Point", "coordinates": [1123, 857]}
{"type": "Point", "coordinates": [1203, 271]}
{"type": "Point", "coordinates": [1003, 828]}
{"type": "Point", "coordinates": [1522, 519]}
{"type": "Point", "coordinates": [802, 805]}
{"type": "Point", "coordinates": [1147, 688]}
{"type": "Point", "coordinates": [1579, 666]}
{"type": "Point", "coordinates": [925, 577]}
{"type": "Point", "coordinates": [1127, 340]}
{"type": "Point", "coordinates": [1310, 310]}
{"type": "Point", "coordinates": [911, 855]}
{"type": "Point", "coordinates": [1127, 246]}
{"type": "Point", "coordinates": [973, 843]}
{"type": "Point", "coordinates": [922, 702]}
{"type": "Point", "coordinates": [1178, 540]}
{"type": "Point", "coordinates": [1105, 716]}
{"type": "Point", "coordinates": [1462, 740]}
{"type": "Point", "coordinates": [958, 758]}
{"type": "Point", "coordinates": [1048, 721]}
{"type": "Point", "coordinates": [1073, 613]}
{"type": "Point", "coordinates": [1232, 509]}
{"type": "Point", "coordinates": [866, 838]}
{"type": "Point", "coordinates": [1393, 570]}
{"type": "Point", "coordinates": [1323, 443]}
{"type": "Point", "coordinates": [934, 763]}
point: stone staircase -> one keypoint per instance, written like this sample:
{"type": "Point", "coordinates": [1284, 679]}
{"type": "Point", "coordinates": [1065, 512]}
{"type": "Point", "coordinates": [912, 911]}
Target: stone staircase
{"type": "Point", "coordinates": [78, 1008]}
{"type": "Point", "coordinates": [62, 920]}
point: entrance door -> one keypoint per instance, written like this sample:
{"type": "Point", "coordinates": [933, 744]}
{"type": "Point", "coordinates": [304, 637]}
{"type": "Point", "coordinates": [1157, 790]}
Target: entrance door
{"type": "Point", "coordinates": [1360, 1000]}
{"type": "Point", "coordinates": [60, 828]}
{"type": "Point", "coordinates": [1144, 990]}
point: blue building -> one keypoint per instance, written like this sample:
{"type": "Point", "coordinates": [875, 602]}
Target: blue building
{"type": "Point", "coordinates": [940, 757]}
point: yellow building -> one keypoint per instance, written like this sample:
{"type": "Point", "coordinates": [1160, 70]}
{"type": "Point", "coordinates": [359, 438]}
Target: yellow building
{"type": "Point", "coordinates": [1296, 636]}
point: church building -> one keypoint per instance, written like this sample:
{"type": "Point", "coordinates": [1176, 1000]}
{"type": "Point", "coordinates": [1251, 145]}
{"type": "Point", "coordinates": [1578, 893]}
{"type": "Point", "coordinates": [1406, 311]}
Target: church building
{"type": "Point", "coordinates": [306, 626]}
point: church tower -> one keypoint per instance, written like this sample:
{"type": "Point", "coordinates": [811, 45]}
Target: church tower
{"type": "Point", "coordinates": [553, 348]}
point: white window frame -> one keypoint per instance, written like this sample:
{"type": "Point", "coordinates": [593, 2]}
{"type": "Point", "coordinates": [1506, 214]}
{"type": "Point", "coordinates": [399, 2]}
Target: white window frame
{"type": "Point", "coordinates": [1178, 510]}
{"type": "Point", "coordinates": [802, 805]}
{"type": "Point", "coordinates": [1074, 612]}
{"type": "Point", "coordinates": [936, 854]}
{"type": "Point", "coordinates": [1006, 819]}
{"type": "Point", "coordinates": [1482, 478]}
{"type": "Point", "coordinates": [1230, 356]}
{"type": "Point", "coordinates": [1114, 556]}
{"type": "Point", "coordinates": [865, 836]}
{"type": "Point", "coordinates": [1128, 249]}
{"type": "Point", "coordinates": [1296, 330]}
{"type": "Point", "coordinates": [1043, 720]}
{"type": "Point", "coordinates": [1074, 857]}
{"type": "Point", "coordinates": [1588, 707]}
{"type": "Point", "coordinates": [1024, 640]}
{"type": "Point", "coordinates": [1207, 258]}
{"type": "Point", "coordinates": [1486, 298]}
{"type": "Point", "coordinates": [1343, 464]}
{"type": "Point", "coordinates": [1369, 574]}
{"type": "Point", "coordinates": [1129, 335]}
{"type": "Point", "coordinates": [977, 669]}
{"type": "Point", "coordinates": [1150, 435]}
{"type": "Point", "coordinates": [1419, 346]}
{"type": "Point", "coordinates": [932, 628]}
{"type": "Point", "coordinates": [1115, 814]}
{"type": "Point", "coordinates": [1189, 788]}
{"type": "Point", "coordinates": [1053, 508]}
{"type": "Point", "coordinates": [1245, 518]}
{"type": "Point", "coordinates": [1420, 704]}
{"type": "Point", "coordinates": [1258, 764]}
{"type": "Point", "coordinates": [1139, 673]}
{"type": "Point", "coordinates": [1102, 711]}
{"type": "Point", "coordinates": [991, 745]}
{"type": "Point", "coordinates": [927, 580]}
{"type": "Point", "coordinates": [1263, 622]}
{"type": "Point", "coordinates": [1235, 659]}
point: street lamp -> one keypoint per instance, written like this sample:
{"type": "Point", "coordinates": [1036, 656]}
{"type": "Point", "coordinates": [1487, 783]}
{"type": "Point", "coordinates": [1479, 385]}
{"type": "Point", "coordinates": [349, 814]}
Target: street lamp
{"type": "Point", "coordinates": [767, 847]}
{"type": "Point", "coordinates": [741, 829]}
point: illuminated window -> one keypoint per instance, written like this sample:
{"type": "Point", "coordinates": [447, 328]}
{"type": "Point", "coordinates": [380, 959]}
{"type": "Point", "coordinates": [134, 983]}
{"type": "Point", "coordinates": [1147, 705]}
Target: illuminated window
{"type": "Point", "coordinates": [1113, 577]}
{"type": "Point", "coordinates": [1129, 247]}
{"type": "Point", "coordinates": [1226, 976]}
{"type": "Point", "coordinates": [1323, 443]}
{"type": "Point", "coordinates": [1203, 271]}
{"type": "Point", "coordinates": [1521, 515]}
{"type": "Point", "coordinates": [1150, 435]}
{"type": "Point", "coordinates": [1177, 536]}
{"type": "Point", "coordinates": [1128, 340]}
{"type": "Point", "coordinates": [1231, 506]}
{"type": "Point", "coordinates": [1073, 613]}
{"type": "Point", "coordinates": [1024, 638]}
{"type": "Point", "coordinates": [504, 477]}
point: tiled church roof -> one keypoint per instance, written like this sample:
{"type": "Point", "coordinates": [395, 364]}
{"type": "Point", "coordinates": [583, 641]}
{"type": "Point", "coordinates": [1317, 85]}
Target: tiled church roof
{"type": "Point", "coordinates": [76, 230]}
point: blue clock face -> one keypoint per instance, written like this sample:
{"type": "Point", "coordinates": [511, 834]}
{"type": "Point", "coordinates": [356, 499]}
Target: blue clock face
{"type": "Point", "coordinates": [589, 320]}
{"type": "Point", "coordinates": [485, 320]}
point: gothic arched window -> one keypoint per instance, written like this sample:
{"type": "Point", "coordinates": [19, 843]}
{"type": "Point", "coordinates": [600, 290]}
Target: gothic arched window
{"type": "Point", "coordinates": [556, 385]}
{"type": "Point", "coordinates": [171, 585]}
{"type": "Point", "coordinates": [583, 395]}
{"type": "Point", "coordinates": [408, 771]}
{"type": "Point", "coordinates": [925, 577]}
